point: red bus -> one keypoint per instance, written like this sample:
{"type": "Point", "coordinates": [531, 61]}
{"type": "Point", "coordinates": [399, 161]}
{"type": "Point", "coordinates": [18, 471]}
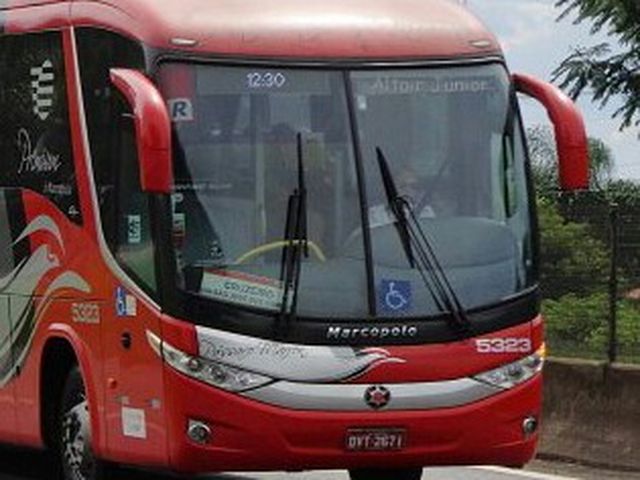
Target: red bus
{"type": "Point", "coordinates": [268, 235]}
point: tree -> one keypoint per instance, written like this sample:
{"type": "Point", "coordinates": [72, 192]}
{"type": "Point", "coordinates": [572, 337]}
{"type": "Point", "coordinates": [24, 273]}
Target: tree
{"type": "Point", "coordinates": [600, 163]}
{"type": "Point", "coordinates": [579, 326]}
{"type": "Point", "coordinates": [608, 72]}
{"type": "Point", "coordinates": [544, 160]}
{"type": "Point", "coordinates": [572, 260]}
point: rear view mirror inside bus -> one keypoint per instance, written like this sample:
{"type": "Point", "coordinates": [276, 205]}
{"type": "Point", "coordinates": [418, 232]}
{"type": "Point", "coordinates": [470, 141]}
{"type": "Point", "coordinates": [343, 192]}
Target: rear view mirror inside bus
{"type": "Point", "coordinates": [569, 129]}
{"type": "Point", "coordinates": [152, 127]}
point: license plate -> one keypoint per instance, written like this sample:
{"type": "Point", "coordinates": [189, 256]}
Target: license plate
{"type": "Point", "coordinates": [375, 440]}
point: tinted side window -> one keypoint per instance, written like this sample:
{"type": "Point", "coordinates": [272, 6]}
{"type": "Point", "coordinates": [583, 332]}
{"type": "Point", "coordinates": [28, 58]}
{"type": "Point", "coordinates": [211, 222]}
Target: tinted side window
{"type": "Point", "coordinates": [124, 208]}
{"type": "Point", "coordinates": [35, 145]}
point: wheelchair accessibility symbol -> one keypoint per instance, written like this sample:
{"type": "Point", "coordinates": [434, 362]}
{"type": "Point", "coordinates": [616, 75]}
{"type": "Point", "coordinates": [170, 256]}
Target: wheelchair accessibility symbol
{"type": "Point", "coordinates": [394, 296]}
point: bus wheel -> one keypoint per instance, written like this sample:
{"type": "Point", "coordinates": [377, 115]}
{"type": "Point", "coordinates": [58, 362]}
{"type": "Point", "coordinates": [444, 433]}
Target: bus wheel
{"type": "Point", "coordinates": [388, 474]}
{"type": "Point", "coordinates": [76, 456]}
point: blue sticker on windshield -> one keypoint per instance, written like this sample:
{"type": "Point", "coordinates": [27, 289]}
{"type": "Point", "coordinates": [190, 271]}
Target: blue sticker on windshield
{"type": "Point", "coordinates": [394, 296]}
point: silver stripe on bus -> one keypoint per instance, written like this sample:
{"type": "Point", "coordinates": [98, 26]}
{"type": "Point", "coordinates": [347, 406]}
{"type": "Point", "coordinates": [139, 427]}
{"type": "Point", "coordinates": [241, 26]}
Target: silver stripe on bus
{"type": "Point", "coordinates": [351, 398]}
{"type": "Point", "coordinates": [24, 308]}
{"type": "Point", "coordinates": [289, 361]}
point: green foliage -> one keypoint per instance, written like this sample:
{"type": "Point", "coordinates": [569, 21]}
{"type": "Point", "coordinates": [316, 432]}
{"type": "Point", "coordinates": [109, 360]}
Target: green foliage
{"type": "Point", "coordinates": [623, 192]}
{"type": "Point", "coordinates": [617, 17]}
{"type": "Point", "coordinates": [606, 72]}
{"type": "Point", "coordinates": [572, 261]}
{"type": "Point", "coordinates": [600, 163]}
{"type": "Point", "coordinates": [573, 320]}
{"type": "Point", "coordinates": [595, 210]}
{"type": "Point", "coordinates": [579, 326]}
{"type": "Point", "coordinates": [627, 333]}
{"type": "Point", "coordinates": [575, 231]}
{"type": "Point", "coordinates": [544, 161]}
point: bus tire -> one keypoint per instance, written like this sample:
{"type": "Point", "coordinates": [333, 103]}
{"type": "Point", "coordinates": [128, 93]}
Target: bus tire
{"type": "Point", "coordinates": [386, 474]}
{"type": "Point", "coordinates": [77, 461]}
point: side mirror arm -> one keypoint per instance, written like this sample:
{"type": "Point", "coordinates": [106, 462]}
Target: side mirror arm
{"type": "Point", "coordinates": [152, 127]}
{"type": "Point", "coordinates": [570, 133]}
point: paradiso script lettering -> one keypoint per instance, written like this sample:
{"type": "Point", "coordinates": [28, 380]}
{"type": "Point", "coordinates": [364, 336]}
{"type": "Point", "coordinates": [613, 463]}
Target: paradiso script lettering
{"type": "Point", "coordinates": [35, 160]}
{"type": "Point", "coordinates": [342, 333]}
{"type": "Point", "coordinates": [271, 350]}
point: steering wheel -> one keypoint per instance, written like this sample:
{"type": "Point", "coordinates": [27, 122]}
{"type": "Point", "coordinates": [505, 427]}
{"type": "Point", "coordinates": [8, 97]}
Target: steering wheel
{"type": "Point", "coordinates": [268, 247]}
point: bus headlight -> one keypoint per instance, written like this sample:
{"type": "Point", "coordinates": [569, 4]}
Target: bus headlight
{"type": "Point", "coordinates": [214, 373]}
{"type": "Point", "coordinates": [513, 374]}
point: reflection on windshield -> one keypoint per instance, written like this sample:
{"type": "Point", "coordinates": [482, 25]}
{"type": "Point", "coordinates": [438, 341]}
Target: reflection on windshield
{"type": "Point", "coordinates": [452, 158]}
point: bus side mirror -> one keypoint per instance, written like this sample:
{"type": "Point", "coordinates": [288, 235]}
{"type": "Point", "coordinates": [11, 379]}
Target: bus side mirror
{"type": "Point", "coordinates": [152, 127]}
{"type": "Point", "coordinates": [571, 137]}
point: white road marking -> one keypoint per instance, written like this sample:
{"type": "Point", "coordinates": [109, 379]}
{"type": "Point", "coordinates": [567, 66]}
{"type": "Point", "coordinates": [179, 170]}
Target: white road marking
{"type": "Point", "coordinates": [523, 473]}
{"type": "Point", "coordinates": [439, 472]}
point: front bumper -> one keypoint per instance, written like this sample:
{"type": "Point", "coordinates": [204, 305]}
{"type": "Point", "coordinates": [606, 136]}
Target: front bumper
{"type": "Point", "coordinates": [250, 435]}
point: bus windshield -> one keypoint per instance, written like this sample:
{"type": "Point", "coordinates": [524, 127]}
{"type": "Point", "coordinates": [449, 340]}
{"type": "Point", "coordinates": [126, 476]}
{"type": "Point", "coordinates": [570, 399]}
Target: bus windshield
{"type": "Point", "coordinates": [455, 149]}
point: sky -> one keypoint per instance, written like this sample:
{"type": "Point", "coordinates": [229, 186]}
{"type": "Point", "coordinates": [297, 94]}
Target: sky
{"type": "Point", "coordinates": [534, 42]}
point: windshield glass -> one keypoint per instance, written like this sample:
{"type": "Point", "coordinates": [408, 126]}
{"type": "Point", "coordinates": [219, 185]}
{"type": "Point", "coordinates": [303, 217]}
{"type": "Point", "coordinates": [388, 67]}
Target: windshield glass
{"type": "Point", "coordinates": [454, 146]}
{"type": "Point", "coordinates": [236, 165]}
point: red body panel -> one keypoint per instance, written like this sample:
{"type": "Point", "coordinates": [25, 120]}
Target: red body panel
{"type": "Point", "coordinates": [569, 130]}
{"type": "Point", "coordinates": [154, 146]}
{"type": "Point", "coordinates": [433, 363]}
{"type": "Point", "coordinates": [276, 28]}
{"type": "Point", "coordinates": [36, 16]}
{"type": "Point", "coordinates": [7, 406]}
{"type": "Point", "coordinates": [134, 380]}
{"type": "Point", "coordinates": [54, 320]}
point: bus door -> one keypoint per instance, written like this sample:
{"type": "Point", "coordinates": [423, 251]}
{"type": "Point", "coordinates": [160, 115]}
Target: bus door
{"type": "Point", "coordinates": [135, 399]}
{"type": "Point", "coordinates": [134, 403]}
{"type": "Point", "coordinates": [132, 372]}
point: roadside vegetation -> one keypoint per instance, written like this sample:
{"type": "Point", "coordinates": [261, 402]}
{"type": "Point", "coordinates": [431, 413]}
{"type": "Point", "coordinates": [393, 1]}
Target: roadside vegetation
{"type": "Point", "coordinates": [589, 276]}
{"type": "Point", "coordinates": [576, 256]}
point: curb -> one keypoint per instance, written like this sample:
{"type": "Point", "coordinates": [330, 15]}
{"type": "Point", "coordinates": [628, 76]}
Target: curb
{"type": "Point", "coordinates": [591, 414]}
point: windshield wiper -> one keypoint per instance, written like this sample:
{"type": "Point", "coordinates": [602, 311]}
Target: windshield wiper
{"type": "Point", "coordinates": [397, 207]}
{"type": "Point", "coordinates": [425, 260]}
{"type": "Point", "coordinates": [297, 242]}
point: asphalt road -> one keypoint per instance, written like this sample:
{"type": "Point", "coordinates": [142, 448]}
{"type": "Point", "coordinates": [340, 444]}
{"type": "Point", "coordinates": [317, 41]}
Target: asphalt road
{"type": "Point", "coordinates": [29, 465]}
